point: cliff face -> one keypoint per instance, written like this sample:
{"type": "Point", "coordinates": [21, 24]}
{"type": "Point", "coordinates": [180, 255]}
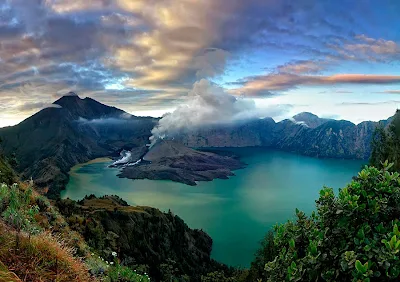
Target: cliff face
{"type": "Point", "coordinates": [304, 134]}
{"type": "Point", "coordinates": [245, 134]}
{"type": "Point", "coordinates": [141, 235]}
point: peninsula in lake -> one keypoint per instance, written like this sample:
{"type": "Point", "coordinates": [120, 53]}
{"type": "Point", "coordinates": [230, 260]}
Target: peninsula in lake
{"type": "Point", "coordinates": [170, 160]}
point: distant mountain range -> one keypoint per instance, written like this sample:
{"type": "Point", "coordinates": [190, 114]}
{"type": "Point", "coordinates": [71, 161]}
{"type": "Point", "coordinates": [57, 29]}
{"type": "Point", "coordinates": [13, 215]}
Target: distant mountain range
{"type": "Point", "coordinates": [305, 134]}
{"type": "Point", "coordinates": [76, 130]}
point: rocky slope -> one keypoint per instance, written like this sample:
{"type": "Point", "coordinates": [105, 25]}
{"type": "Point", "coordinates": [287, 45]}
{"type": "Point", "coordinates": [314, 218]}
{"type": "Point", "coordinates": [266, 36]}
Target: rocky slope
{"type": "Point", "coordinates": [170, 160]}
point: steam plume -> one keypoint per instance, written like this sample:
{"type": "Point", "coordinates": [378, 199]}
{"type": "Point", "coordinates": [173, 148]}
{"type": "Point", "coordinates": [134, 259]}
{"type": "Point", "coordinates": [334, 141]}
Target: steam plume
{"type": "Point", "coordinates": [205, 104]}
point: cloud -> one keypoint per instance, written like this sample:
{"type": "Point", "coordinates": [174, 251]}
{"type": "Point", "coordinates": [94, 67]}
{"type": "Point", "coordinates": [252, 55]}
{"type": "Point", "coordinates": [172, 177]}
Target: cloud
{"type": "Point", "coordinates": [302, 67]}
{"type": "Point", "coordinates": [206, 104]}
{"type": "Point", "coordinates": [257, 85]}
{"type": "Point", "coordinates": [211, 63]}
{"type": "Point", "coordinates": [369, 49]}
{"type": "Point", "coordinates": [36, 106]}
{"type": "Point", "coordinates": [148, 53]}
{"type": "Point", "coordinates": [391, 91]}
{"type": "Point", "coordinates": [343, 91]}
{"type": "Point", "coordinates": [390, 102]}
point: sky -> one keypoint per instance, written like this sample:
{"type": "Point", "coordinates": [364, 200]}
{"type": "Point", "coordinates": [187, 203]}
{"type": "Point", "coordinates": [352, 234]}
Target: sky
{"type": "Point", "coordinates": [335, 58]}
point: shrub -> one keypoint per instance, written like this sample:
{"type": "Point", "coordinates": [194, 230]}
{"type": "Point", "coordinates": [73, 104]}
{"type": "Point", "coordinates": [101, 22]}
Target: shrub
{"type": "Point", "coordinates": [120, 273]}
{"type": "Point", "coordinates": [352, 237]}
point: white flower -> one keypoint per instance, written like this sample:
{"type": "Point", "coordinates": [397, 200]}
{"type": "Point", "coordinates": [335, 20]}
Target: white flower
{"type": "Point", "coordinates": [114, 254]}
{"type": "Point", "coordinates": [111, 262]}
{"type": "Point", "coordinates": [106, 262]}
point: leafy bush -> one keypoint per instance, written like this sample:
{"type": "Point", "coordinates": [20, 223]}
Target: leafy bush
{"type": "Point", "coordinates": [352, 237]}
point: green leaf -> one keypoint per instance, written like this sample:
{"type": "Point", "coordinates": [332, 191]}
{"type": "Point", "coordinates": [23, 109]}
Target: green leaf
{"type": "Point", "coordinates": [360, 267]}
{"type": "Point", "coordinates": [393, 242]}
{"type": "Point", "coordinates": [396, 230]}
{"type": "Point", "coordinates": [292, 243]}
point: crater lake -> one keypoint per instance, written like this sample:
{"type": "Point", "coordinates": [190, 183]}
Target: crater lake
{"type": "Point", "coordinates": [235, 212]}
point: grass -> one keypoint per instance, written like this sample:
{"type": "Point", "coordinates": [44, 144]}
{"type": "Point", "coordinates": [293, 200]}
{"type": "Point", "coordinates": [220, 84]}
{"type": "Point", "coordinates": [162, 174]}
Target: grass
{"type": "Point", "coordinates": [28, 249]}
{"type": "Point", "coordinates": [37, 244]}
{"type": "Point", "coordinates": [6, 275]}
{"type": "Point", "coordinates": [40, 258]}
{"type": "Point", "coordinates": [108, 205]}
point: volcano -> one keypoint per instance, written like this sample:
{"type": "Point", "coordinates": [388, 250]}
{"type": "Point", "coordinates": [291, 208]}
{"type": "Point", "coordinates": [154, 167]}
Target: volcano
{"type": "Point", "coordinates": [171, 160]}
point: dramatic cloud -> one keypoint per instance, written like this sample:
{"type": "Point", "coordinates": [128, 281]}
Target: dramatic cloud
{"type": "Point", "coordinates": [371, 49]}
{"type": "Point", "coordinates": [256, 86]}
{"type": "Point", "coordinates": [146, 54]}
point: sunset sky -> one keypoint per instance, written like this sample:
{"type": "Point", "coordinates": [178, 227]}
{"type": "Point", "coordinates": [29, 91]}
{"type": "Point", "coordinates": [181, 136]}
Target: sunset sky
{"type": "Point", "coordinates": [337, 59]}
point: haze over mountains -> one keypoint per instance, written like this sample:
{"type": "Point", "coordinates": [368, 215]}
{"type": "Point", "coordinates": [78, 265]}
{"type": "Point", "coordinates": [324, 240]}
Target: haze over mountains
{"type": "Point", "coordinates": [76, 130]}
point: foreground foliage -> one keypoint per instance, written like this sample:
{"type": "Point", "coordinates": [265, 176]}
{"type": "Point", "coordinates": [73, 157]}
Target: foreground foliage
{"type": "Point", "coordinates": [36, 244]}
{"type": "Point", "coordinates": [352, 237]}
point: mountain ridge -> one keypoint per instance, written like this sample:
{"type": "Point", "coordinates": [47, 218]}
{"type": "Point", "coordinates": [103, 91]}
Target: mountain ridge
{"type": "Point", "coordinates": [76, 130]}
{"type": "Point", "coordinates": [50, 142]}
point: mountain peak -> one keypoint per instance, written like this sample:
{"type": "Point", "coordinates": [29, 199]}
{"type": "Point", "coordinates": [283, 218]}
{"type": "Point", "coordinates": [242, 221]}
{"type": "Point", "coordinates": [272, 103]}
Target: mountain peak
{"type": "Point", "coordinates": [71, 94]}
{"type": "Point", "coordinates": [68, 100]}
{"type": "Point", "coordinates": [86, 108]}
{"type": "Point", "coordinates": [309, 119]}
{"type": "Point", "coordinates": [304, 115]}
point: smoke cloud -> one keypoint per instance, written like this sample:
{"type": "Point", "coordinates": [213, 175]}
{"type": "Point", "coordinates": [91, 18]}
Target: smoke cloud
{"type": "Point", "coordinates": [205, 104]}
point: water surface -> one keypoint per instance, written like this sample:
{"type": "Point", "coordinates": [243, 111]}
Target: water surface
{"type": "Point", "coordinates": [236, 212]}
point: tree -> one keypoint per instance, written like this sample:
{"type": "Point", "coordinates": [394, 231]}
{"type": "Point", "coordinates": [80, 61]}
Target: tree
{"type": "Point", "coordinates": [379, 146]}
{"type": "Point", "coordinates": [351, 237]}
{"type": "Point", "coordinates": [385, 144]}
{"type": "Point", "coordinates": [264, 254]}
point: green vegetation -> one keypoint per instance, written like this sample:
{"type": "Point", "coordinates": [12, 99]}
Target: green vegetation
{"type": "Point", "coordinates": [38, 245]}
{"type": "Point", "coordinates": [385, 144]}
{"type": "Point", "coordinates": [7, 174]}
{"type": "Point", "coordinates": [351, 237]}
{"type": "Point", "coordinates": [147, 240]}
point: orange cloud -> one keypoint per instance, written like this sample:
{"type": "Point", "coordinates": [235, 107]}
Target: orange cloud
{"type": "Point", "coordinates": [391, 91]}
{"type": "Point", "coordinates": [259, 85]}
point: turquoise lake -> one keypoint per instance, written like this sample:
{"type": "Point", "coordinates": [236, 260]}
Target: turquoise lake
{"type": "Point", "coordinates": [236, 212]}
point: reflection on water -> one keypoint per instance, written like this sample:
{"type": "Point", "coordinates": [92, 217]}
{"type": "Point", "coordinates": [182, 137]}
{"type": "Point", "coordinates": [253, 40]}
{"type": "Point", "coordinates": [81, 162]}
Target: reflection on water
{"type": "Point", "coordinates": [235, 212]}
